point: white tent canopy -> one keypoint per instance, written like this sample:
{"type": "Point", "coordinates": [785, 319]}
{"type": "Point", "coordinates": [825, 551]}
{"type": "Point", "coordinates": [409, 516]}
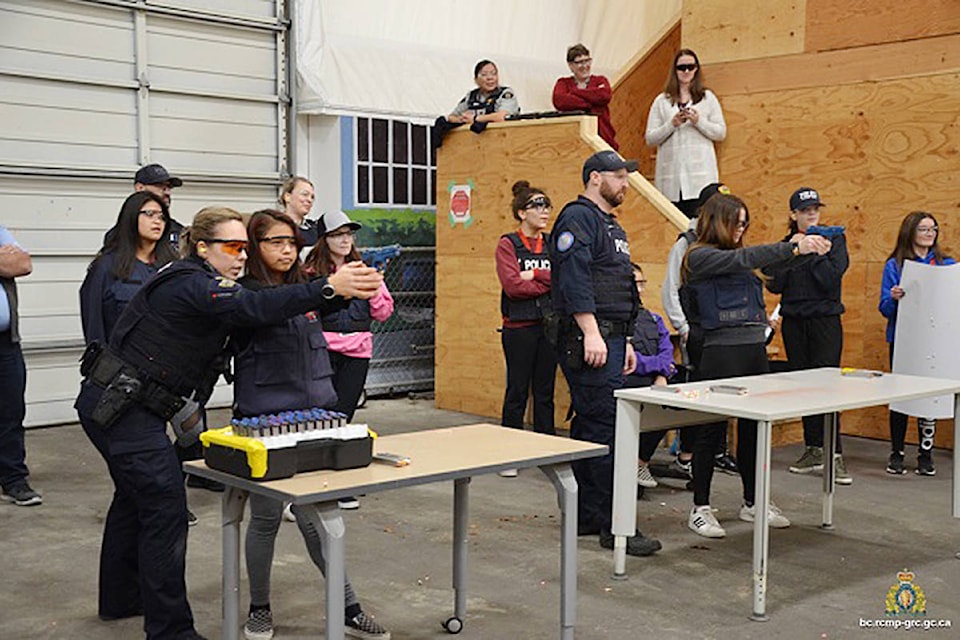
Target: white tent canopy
{"type": "Point", "coordinates": [414, 59]}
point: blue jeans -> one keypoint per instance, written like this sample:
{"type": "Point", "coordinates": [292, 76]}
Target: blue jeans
{"type": "Point", "coordinates": [13, 384]}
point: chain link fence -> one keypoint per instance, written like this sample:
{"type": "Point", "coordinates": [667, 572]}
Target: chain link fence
{"type": "Point", "coordinates": [403, 345]}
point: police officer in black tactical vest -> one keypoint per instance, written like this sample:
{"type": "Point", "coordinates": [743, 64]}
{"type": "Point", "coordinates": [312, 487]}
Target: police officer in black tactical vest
{"type": "Point", "coordinates": [596, 302]}
{"type": "Point", "coordinates": [160, 365]}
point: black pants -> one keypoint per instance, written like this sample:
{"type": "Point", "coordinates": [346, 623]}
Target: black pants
{"type": "Point", "coordinates": [144, 548]}
{"type": "Point", "coordinates": [13, 383]}
{"type": "Point", "coordinates": [349, 378]}
{"type": "Point", "coordinates": [688, 207]}
{"type": "Point", "coordinates": [695, 353]}
{"type": "Point", "coordinates": [594, 420]}
{"type": "Point", "coordinates": [726, 362]}
{"type": "Point", "coordinates": [926, 429]}
{"type": "Point", "coordinates": [531, 365]}
{"type": "Point", "coordinates": [812, 343]}
{"type": "Point", "coordinates": [649, 440]}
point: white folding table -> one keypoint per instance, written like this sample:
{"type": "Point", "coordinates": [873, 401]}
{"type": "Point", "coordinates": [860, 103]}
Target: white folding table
{"type": "Point", "coordinates": [767, 398]}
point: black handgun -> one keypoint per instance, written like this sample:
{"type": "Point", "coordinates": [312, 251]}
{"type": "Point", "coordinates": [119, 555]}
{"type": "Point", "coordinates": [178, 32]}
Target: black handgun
{"type": "Point", "coordinates": [122, 393]}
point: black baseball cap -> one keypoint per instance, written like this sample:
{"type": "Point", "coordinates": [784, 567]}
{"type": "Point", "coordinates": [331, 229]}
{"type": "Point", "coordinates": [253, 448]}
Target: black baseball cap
{"type": "Point", "coordinates": [606, 161]}
{"type": "Point", "coordinates": [805, 197]}
{"type": "Point", "coordinates": [711, 190]}
{"type": "Point", "coordinates": [156, 174]}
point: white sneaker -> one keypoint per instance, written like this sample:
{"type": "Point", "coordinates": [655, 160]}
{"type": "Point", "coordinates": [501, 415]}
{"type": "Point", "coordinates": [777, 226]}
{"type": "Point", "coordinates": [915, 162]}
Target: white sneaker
{"type": "Point", "coordinates": [703, 522]}
{"type": "Point", "coordinates": [507, 473]}
{"type": "Point", "coordinates": [644, 477]}
{"type": "Point", "coordinates": [775, 517]}
{"type": "Point", "coordinates": [288, 512]}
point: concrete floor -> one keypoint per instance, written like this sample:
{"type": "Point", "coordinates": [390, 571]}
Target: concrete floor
{"type": "Point", "coordinates": [821, 583]}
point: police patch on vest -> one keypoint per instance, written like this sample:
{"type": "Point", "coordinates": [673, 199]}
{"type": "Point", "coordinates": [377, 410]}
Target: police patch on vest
{"type": "Point", "coordinates": [226, 283]}
{"type": "Point", "coordinates": [565, 241]}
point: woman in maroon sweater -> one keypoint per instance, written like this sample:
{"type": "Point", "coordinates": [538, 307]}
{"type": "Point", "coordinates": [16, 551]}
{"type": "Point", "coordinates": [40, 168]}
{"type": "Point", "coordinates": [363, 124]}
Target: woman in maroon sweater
{"type": "Point", "coordinates": [523, 266]}
{"type": "Point", "coordinates": [585, 92]}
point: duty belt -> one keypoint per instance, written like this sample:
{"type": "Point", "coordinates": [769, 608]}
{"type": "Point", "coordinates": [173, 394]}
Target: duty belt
{"type": "Point", "coordinates": [612, 328]}
{"type": "Point", "coordinates": [102, 367]}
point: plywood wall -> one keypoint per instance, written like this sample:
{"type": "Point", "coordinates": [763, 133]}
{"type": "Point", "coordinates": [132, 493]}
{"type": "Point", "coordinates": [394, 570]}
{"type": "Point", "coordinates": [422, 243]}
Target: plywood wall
{"type": "Point", "coordinates": [865, 111]}
{"type": "Point", "coordinates": [470, 373]}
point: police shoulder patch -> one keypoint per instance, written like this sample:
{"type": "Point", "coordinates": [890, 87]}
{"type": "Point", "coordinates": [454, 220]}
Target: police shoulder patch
{"type": "Point", "coordinates": [226, 283]}
{"type": "Point", "coordinates": [565, 241]}
{"type": "Point", "coordinates": [506, 95]}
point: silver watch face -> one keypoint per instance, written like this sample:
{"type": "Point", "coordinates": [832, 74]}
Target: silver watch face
{"type": "Point", "coordinates": [328, 291]}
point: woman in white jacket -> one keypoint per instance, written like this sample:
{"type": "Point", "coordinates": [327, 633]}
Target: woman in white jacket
{"type": "Point", "coordinates": [684, 122]}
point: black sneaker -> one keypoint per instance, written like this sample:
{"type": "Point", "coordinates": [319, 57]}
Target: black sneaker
{"type": "Point", "coordinates": [895, 466]}
{"type": "Point", "coordinates": [723, 462]}
{"type": "Point", "coordinates": [637, 545]}
{"type": "Point", "coordinates": [259, 625]}
{"type": "Point", "coordinates": [925, 466]}
{"type": "Point", "coordinates": [191, 518]}
{"type": "Point", "coordinates": [22, 495]}
{"type": "Point", "coordinates": [365, 627]}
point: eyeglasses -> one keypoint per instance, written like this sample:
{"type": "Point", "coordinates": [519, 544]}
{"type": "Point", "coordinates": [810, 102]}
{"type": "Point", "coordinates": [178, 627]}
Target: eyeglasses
{"type": "Point", "coordinates": [538, 203]}
{"type": "Point", "coordinates": [279, 242]}
{"type": "Point", "coordinates": [153, 214]}
{"type": "Point", "coordinates": [582, 62]}
{"type": "Point", "coordinates": [686, 67]}
{"type": "Point", "coordinates": [230, 247]}
{"type": "Point", "coordinates": [743, 224]}
{"type": "Point", "coordinates": [928, 230]}
{"type": "Point", "coordinates": [641, 283]}
{"type": "Point", "coordinates": [342, 234]}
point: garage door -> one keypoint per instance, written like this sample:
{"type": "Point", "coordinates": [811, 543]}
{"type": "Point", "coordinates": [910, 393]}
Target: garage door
{"type": "Point", "coordinates": [90, 91]}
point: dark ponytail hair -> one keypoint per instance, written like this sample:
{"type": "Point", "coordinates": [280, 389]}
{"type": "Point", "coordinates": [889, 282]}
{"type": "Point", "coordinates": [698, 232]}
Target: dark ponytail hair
{"type": "Point", "coordinates": [522, 194]}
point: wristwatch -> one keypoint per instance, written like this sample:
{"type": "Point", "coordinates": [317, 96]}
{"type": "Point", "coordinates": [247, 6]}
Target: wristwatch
{"type": "Point", "coordinates": [328, 292]}
{"type": "Point", "coordinates": [795, 248]}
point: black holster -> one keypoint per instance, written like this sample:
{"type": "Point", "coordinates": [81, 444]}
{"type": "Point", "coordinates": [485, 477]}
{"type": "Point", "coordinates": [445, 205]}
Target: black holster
{"type": "Point", "coordinates": [123, 386]}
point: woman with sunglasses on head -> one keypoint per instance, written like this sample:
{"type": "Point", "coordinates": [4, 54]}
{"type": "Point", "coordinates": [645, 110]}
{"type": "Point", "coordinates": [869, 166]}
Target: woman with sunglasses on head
{"type": "Point", "coordinates": [164, 356]}
{"type": "Point", "coordinates": [130, 256]}
{"type": "Point", "coordinates": [280, 368]}
{"type": "Point", "coordinates": [684, 122]}
{"type": "Point", "coordinates": [917, 240]}
{"type": "Point", "coordinates": [296, 196]}
{"type": "Point", "coordinates": [523, 266]}
{"type": "Point", "coordinates": [718, 272]}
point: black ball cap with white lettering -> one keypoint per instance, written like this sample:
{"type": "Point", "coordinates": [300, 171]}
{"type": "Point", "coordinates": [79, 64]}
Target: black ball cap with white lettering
{"type": "Point", "coordinates": [606, 161]}
{"type": "Point", "coordinates": [156, 174]}
{"type": "Point", "coordinates": [805, 197]}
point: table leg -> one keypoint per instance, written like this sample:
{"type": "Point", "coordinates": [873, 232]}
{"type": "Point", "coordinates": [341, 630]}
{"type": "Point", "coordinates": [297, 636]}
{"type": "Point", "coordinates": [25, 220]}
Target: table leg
{"type": "Point", "coordinates": [566, 485]}
{"type": "Point", "coordinates": [624, 516]}
{"type": "Point", "coordinates": [231, 514]}
{"type": "Point", "coordinates": [956, 460]}
{"type": "Point", "coordinates": [461, 520]}
{"type": "Point", "coordinates": [327, 519]}
{"type": "Point", "coordinates": [761, 531]}
{"type": "Point", "coordinates": [829, 467]}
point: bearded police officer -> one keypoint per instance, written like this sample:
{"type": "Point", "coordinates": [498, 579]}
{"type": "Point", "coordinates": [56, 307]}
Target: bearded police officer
{"type": "Point", "coordinates": [596, 302]}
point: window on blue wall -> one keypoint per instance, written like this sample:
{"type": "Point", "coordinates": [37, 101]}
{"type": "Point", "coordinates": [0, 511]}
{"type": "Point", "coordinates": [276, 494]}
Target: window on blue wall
{"type": "Point", "coordinates": [395, 163]}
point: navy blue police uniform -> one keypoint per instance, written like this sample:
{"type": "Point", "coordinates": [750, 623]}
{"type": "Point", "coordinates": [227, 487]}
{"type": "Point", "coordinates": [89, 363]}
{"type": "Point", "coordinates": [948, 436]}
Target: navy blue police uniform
{"type": "Point", "coordinates": [164, 347]}
{"type": "Point", "coordinates": [591, 273]}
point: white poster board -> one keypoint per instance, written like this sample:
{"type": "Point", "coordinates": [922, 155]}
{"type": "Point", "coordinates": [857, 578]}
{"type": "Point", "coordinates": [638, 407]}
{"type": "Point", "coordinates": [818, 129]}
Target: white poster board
{"type": "Point", "coordinates": [926, 342]}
